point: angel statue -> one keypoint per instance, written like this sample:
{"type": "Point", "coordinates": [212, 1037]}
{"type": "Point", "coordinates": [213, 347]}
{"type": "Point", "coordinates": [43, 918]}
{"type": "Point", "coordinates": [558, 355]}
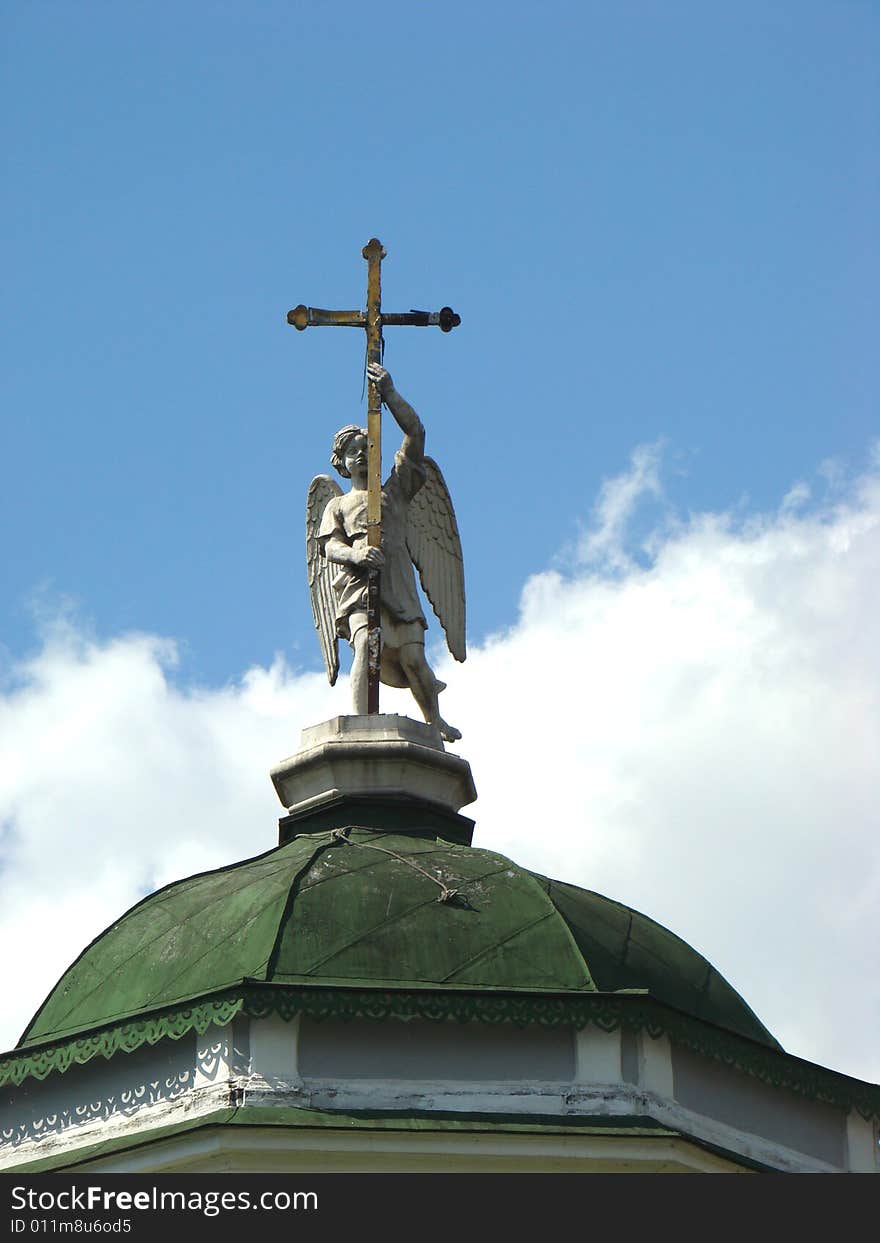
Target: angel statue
{"type": "Point", "coordinates": [418, 527]}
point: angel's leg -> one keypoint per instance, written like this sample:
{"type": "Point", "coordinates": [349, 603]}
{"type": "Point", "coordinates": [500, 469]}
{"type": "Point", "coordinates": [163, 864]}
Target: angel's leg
{"type": "Point", "coordinates": [359, 680]}
{"type": "Point", "coordinates": [425, 688]}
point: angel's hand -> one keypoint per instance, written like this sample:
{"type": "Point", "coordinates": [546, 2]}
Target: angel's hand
{"type": "Point", "coordinates": [381, 378]}
{"type": "Point", "coordinates": [371, 558]}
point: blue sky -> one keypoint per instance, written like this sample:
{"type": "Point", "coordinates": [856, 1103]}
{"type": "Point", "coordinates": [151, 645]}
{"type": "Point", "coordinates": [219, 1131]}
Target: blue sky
{"type": "Point", "coordinates": [657, 420]}
{"type": "Point", "coordinates": [656, 220]}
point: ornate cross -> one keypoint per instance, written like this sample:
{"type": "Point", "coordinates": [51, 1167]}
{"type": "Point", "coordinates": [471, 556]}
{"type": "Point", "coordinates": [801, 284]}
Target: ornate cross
{"type": "Point", "coordinates": [373, 319]}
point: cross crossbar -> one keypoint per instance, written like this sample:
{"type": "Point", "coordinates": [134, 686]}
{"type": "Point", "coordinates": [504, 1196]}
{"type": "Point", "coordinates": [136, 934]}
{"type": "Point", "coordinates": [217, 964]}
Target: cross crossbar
{"type": "Point", "coordinates": [303, 317]}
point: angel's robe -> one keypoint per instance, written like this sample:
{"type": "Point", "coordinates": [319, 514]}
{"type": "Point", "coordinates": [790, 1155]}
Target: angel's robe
{"type": "Point", "coordinates": [345, 518]}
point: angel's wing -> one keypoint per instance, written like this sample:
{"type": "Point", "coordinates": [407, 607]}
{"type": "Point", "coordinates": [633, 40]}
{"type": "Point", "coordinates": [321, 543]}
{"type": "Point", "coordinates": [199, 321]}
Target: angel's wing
{"type": "Point", "coordinates": [435, 547]}
{"type": "Point", "coordinates": [321, 490]}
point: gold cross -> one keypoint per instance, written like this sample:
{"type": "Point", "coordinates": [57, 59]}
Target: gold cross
{"type": "Point", "coordinates": [373, 319]}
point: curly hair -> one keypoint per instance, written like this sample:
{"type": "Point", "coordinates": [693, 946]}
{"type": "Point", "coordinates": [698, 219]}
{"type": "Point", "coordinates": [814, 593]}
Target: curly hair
{"type": "Point", "coordinates": [340, 444]}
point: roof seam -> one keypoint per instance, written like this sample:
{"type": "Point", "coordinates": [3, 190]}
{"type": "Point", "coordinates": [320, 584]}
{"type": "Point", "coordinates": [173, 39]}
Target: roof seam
{"type": "Point", "coordinates": [272, 961]}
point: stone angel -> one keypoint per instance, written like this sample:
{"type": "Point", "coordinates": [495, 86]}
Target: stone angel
{"type": "Point", "coordinates": [418, 528]}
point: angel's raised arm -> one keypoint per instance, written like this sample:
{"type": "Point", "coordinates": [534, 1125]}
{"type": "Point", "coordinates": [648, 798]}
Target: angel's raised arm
{"type": "Point", "coordinates": [407, 419]}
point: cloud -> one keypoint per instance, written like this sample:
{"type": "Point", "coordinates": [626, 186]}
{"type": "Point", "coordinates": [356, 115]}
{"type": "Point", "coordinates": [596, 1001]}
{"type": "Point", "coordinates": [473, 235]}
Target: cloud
{"type": "Point", "coordinates": [619, 498]}
{"type": "Point", "coordinates": [693, 730]}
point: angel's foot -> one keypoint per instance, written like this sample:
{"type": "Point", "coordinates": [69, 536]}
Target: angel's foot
{"type": "Point", "coordinates": [439, 686]}
{"type": "Point", "coordinates": [447, 732]}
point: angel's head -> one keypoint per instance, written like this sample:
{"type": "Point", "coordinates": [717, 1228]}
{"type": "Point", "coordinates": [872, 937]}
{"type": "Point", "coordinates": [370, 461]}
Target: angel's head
{"type": "Point", "coordinates": [349, 445]}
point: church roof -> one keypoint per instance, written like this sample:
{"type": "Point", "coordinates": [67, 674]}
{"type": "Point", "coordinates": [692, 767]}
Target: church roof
{"type": "Point", "coordinates": [370, 910]}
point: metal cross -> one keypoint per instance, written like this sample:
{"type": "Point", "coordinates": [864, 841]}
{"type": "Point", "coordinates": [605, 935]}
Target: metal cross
{"type": "Point", "coordinates": [373, 319]}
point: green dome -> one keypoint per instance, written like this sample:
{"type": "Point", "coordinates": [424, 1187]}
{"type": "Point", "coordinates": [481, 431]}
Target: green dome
{"type": "Point", "coordinates": [375, 910]}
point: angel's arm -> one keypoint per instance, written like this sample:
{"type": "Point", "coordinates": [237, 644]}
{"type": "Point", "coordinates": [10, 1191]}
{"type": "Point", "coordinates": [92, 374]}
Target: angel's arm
{"type": "Point", "coordinates": [407, 420]}
{"type": "Point", "coordinates": [354, 555]}
{"type": "Point", "coordinates": [337, 547]}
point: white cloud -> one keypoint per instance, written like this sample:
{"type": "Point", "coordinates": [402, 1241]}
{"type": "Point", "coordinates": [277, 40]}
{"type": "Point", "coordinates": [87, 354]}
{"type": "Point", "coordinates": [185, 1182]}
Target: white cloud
{"type": "Point", "coordinates": [619, 497]}
{"type": "Point", "coordinates": [697, 735]}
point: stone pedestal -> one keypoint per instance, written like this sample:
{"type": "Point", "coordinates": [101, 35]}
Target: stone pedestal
{"type": "Point", "coordinates": [384, 765]}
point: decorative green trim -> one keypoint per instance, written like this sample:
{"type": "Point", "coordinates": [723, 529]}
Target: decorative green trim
{"type": "Point", "coordinates": [38, 1063]}
{"type": "Point", "coordinates": [636, 1012]}
{"type": "Point", "coordinates": [604, 1010]}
